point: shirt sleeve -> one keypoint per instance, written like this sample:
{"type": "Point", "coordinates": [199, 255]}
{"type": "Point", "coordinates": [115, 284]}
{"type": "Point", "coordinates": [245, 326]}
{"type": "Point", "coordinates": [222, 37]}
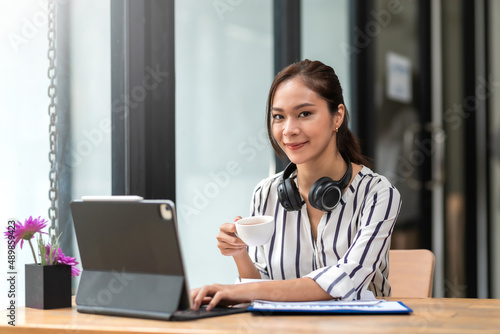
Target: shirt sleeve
{"type": "Point", "coordinates": [352, 274]}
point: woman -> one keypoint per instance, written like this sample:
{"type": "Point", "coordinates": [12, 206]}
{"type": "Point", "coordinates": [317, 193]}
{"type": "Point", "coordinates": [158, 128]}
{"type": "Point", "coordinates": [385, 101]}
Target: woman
{"type": "Point", "coordinates": [327, 243]}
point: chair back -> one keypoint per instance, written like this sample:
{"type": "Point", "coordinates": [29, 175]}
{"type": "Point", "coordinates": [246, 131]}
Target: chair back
{"type": "Point", "coordinates": [411, 272]}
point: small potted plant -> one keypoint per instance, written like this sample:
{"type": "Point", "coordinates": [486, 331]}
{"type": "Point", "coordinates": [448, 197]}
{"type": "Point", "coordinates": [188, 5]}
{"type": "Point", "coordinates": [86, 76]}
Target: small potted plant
{"type": "Point", "coordinates": [48, 281]}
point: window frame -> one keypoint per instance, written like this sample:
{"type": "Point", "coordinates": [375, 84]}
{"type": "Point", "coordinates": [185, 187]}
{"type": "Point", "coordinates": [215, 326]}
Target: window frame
{"type": "Point", "coordinates": [143, 98]}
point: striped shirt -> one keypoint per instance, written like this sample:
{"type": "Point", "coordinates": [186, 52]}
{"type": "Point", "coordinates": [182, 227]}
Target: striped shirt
{"type": "Point", "coordinates": [351, 251]}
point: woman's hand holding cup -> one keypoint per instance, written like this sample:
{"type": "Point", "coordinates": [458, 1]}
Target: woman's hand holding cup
{"type": "Point", "coordinates": [228, 241]}
{"type": "Point", "coordinates": [233, 239]}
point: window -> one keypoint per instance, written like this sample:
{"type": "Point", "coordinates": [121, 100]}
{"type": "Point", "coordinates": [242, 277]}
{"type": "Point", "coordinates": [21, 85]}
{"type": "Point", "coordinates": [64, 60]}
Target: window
{"type": "Point", "coordinates": [224, 67]}
{"type": "Point", "coordinates": [24, 125]}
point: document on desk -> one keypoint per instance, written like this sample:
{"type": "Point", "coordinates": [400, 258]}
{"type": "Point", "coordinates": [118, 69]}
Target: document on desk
{"type": "Point", "coordinates": [330, 307]}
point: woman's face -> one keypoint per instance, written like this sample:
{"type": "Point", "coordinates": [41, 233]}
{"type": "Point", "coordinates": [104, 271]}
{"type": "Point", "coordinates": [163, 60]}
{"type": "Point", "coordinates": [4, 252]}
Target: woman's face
{"type": "Point", "coordinates": [301, 123]}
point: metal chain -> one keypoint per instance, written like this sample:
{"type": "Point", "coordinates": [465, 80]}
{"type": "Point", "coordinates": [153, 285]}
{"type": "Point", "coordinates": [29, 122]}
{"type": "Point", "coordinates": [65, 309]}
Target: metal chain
{"type": "Point", "coordinates": [51, 54]}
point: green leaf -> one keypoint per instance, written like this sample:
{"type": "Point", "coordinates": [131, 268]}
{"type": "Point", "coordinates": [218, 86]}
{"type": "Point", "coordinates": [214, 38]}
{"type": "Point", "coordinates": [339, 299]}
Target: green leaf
{"type": "Point", "coordinates": [42, 251]}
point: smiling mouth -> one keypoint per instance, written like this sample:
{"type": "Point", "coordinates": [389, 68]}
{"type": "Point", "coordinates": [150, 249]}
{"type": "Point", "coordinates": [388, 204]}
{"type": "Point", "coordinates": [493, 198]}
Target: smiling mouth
{"type": "Point", "coordinates": [295, 146]}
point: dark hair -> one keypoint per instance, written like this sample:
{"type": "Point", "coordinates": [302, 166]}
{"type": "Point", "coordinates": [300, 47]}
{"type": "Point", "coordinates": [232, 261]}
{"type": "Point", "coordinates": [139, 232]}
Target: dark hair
{"type": "Point", "coordinates": [321, 79]}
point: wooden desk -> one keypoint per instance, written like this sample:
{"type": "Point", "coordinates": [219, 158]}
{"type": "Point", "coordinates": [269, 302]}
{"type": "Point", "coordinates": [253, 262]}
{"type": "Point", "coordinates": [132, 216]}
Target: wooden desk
{"type": "Point", "coordinates": [429, 315]}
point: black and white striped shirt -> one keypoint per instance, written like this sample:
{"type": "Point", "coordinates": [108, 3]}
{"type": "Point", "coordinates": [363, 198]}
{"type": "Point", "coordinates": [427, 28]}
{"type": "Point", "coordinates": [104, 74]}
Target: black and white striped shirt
{"type": "Point", "coordinates": [351, 251]}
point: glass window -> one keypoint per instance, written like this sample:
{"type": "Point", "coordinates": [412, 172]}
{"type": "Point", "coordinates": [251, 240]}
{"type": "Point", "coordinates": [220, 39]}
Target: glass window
{"type": "Point", "coordinates": [24, 125]}
{"type": "Point", "coordinates": [224, 67]}
{"type": "Point", "coordinates": [88, 153]}
{"type": "Point", "coordinates": [90, 81]}
{"type": "Point", "coordinates": [83, 106]}
{"type": "Point", "coordinates": [325, 37]}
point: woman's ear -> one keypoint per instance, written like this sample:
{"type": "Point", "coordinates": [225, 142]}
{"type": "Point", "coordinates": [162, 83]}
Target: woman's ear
{"type": "Point", "coordinates": [338, 118]}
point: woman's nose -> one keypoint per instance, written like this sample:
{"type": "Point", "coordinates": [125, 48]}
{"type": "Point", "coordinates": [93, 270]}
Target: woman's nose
{"type": "Point", "coordinates": [291, 128]}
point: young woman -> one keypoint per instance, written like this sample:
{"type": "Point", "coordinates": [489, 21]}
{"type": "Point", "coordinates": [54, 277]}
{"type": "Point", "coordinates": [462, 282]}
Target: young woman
{"type": "Point", "coordinates": [333, 215]}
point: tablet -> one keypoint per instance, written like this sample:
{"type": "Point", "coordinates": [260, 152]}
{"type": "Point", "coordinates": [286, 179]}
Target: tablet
{"type": "Point", "coordinates": [132, 260]}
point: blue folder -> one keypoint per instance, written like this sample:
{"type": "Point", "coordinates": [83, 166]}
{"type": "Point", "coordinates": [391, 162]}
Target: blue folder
{"type": "Point", "coordinates": [330, 307]}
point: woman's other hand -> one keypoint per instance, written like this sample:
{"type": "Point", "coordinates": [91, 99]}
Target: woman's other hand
{"type": "Point", "coordinates": [218, 294]}
{"type": "Point", "coordinates": [300, 289]}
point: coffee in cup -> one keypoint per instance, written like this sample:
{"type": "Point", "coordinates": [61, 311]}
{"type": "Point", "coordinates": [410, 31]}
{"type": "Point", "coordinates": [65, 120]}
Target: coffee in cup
{"type": "Point", "coordinates": [255, 230]}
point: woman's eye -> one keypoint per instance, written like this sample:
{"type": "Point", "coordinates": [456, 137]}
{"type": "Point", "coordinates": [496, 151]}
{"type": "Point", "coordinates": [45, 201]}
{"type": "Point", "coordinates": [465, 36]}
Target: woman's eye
{"type": "Point", "coordinates": [277, 117]}
{"type": "Point", "coordinates": [305, 114]}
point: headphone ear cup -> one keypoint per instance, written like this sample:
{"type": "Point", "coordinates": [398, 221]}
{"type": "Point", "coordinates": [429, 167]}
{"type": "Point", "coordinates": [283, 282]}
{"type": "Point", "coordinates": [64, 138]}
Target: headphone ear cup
{"type": "Point", "coordinates": [324, 194]}
{"type": "Point", "coordinates": [282, 195]}
{"type": "Point", "coordinates": [289, 195]}
{"type": "Point", "coordinates": [293, 194]}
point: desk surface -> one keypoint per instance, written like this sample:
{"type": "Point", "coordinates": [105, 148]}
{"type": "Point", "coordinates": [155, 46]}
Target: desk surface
{"type": "Point", "coordinates": [432, 315]}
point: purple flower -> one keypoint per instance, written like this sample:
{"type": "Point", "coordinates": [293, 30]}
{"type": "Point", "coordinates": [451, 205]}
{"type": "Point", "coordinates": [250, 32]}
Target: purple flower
{"type": "Point", "coordinates": [28, 230]}
{"type": "Point", "coordinates": [59, 257]}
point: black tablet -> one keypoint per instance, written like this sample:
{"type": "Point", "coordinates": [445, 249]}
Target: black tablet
{"type": "Point", "coordinates": [132, 260]}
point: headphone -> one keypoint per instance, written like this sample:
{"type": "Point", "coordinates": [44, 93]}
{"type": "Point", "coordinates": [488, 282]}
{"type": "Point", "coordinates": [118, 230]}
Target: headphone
{"type": "Point", "coordinates": [324, 195]}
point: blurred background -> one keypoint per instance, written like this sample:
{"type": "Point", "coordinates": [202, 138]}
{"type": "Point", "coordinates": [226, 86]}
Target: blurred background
{"type": "Point", "coordinates": [166, 99]}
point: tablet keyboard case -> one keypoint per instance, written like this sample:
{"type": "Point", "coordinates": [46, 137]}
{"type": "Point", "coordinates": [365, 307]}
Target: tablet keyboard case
{"type": "Point", "coordinates": [132, 265]}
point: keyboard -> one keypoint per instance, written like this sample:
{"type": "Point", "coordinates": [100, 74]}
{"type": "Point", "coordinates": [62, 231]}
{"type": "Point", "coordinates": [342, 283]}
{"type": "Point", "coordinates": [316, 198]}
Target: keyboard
{"type": "Point", "coordinates": [184, 315]}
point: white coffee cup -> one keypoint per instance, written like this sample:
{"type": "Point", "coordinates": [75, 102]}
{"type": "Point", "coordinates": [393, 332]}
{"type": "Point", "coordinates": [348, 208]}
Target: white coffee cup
{"type": "Point", "coordinates": [255, 230]}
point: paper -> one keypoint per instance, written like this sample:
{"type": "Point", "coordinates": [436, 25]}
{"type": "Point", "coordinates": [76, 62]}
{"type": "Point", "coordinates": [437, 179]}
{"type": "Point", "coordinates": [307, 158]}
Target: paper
{"type": "Point", "coordinates": [399, 85]}
{"type": "Point", "coordinates": [250, 280]}
{"type": "Point", "coordinates": [317, 304]}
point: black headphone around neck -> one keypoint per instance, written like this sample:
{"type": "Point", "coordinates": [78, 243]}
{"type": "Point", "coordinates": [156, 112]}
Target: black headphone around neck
{"type": "Point", "coordinates": [325, 193]}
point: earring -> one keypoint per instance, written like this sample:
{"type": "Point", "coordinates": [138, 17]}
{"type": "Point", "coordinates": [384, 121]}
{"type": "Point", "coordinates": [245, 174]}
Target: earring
{"type": "Point", "coordinates": [336, 129]}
